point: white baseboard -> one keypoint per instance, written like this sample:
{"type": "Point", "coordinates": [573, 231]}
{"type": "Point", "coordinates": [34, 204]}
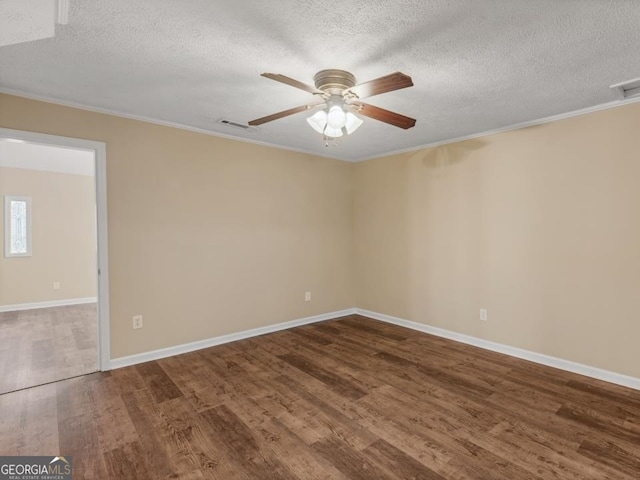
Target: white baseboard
{"type": "Point", "coordinates": [593, 372]}
{"type": "Point", "coordinates": [52, 303]}
{"type": "Point", "coordinates": [540, 358]}
{"type": "Point", "coordinates": [212, 342]}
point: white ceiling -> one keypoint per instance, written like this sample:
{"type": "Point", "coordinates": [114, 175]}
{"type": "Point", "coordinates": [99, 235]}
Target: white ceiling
{"type": "Point", "coordinates": [47, 158]}
{"type": "Point", "coordinates": [26, 20]}
{"type": "Point", "coordinates": [477, 65]}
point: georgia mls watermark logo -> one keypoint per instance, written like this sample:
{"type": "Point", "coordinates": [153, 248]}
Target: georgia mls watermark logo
{"type": "Point", "coordinates": [35, 468]}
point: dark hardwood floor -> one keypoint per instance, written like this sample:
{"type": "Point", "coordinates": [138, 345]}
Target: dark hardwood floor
{"type": "Point", "coordinates": [47, 344]}
{"type": "Point", "coordinates": [350, 398]}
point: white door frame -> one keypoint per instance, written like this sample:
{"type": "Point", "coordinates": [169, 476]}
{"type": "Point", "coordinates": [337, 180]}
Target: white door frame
{"type": "Point", "coordinates": [100, 156]}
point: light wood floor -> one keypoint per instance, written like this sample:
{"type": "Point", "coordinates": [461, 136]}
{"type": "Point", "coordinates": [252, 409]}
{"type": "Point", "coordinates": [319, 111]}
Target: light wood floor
{"type": "Point", "coordinates": [47, 344]}
{"type": "Point", "coordinates": [345, 399]}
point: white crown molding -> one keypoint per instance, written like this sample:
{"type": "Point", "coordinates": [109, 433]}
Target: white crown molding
{"type": "Point", "coordinates": [52, 303]}
{"type": "Point", "coordinates": [164, 123]}
{"type": "Point", "coordinates": [569, 366]}
{"type": "Point", "coordinates": [232, 337]}
{"type": "Point", "coordinates": [510, 128]}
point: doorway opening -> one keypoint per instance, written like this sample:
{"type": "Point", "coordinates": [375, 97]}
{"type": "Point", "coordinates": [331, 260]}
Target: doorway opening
{"type": "Point", "coordinates": [54, 298]}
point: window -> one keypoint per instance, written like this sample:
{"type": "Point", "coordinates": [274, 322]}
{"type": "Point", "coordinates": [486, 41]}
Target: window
{"type": "Point", "coordinates": [17, 226]}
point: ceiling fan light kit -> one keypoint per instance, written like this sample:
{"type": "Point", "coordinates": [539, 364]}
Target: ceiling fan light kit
{"type": "Point", "coordinates": [334, 121]}
{"type": "Point", "coordinates": [340, 99]}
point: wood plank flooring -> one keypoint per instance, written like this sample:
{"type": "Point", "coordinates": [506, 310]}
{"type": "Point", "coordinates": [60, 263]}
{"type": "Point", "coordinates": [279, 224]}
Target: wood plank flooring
{"type": "Point", "coordinates": [350, 398]}
{"type": "Point", "coordinates": [47, 344]}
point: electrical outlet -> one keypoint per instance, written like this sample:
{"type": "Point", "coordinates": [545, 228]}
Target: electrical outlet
{"type": "Point", "coordinates": [56, 285]}
{"type": "Point", "coordinates": [483, 314]}
{"type": "Point", "coordinates": [137, 321]}
{"type": "Point", "coordinates": [307, 296]}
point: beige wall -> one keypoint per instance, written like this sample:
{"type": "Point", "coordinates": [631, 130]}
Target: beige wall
{"type": "Point", "coordinates": [209, 236]}
{"type": "Point", "coordinates": [540, 226]}
{"type": "Point", "coordinates": [63, 238]}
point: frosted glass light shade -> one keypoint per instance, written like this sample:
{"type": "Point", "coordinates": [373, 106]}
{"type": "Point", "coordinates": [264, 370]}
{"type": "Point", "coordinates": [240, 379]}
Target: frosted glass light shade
{"type": "Point", "coordinates": [336, 118]}
{"type": "Point", "coordinates": [352, 123]}
{"type": "Point", "coordinates": [325, 123]}
{"type": "Point", "coordinates": [318, 121]}
{"type": "Point", "coordinates": [332, 132]}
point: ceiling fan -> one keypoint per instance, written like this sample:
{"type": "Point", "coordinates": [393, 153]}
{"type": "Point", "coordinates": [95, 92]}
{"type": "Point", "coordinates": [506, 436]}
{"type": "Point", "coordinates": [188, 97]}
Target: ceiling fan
{"type": "Point", "coordinates": [339, 98]}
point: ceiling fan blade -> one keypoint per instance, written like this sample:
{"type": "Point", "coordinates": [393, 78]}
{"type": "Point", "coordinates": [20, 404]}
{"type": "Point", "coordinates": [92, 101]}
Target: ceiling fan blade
{"type": "Point", "coordinates": [284, 113]}
{"type": "Point", "coordinates": [293, 82]}
{"type": "Point", "coordinates": [385, 116]}
{"type": "Point", "coordinates": [388, 83]}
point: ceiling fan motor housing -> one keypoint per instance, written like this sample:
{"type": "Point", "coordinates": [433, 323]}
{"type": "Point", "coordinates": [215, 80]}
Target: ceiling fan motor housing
{"type": "Point", "coordinates": [334, 82]}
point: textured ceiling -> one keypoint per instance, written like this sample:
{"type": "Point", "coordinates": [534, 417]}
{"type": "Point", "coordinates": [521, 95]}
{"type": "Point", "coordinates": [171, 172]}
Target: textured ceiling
{"type": "Point", "coordinates": [26, 20]}
{"type": "Point", "coordinates": [477, 65]}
